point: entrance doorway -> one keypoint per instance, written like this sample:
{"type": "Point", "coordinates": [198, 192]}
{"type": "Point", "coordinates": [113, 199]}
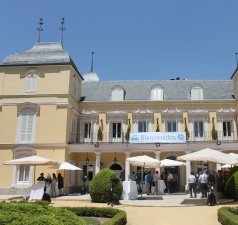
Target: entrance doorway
{"type": "Point", "coordinates": [117, 169]}
{"type": "Point", "coordinates": [175, 186]}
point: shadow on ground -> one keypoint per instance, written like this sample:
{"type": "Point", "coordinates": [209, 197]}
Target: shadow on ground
{"type": "Point", "coordinates": [194, 201]}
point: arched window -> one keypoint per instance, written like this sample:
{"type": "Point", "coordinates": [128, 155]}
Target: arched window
{"type": "Point", "coordinates": [118, 93]}
{"type": "Point", "coordinates": [157, 93]}
{"type": "Point", "coordinates": [196, 93]}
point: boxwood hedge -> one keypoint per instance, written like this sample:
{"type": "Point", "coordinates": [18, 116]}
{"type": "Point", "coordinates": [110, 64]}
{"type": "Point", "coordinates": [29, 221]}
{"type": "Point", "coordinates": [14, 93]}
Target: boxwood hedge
{"type": "Point", "coordinates": [100, 186]}
{"type": "Point", "coordinates": [231, 184]}
{"type": "Point", "coordinates": [228, 215]}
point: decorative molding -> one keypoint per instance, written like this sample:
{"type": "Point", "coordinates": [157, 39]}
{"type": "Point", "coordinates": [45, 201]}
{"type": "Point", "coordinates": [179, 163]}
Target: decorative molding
{"type": "Point", "coordinates": [226, 110]}
{"type": "Point", "coordinates": [88, 112]}
{"type": "Point", "coordinates": [171, 110]}
{"type": "Point", "coordinates": [23, 151]}
{"type": "Point", "coordinates": [142, 114]}
{"type": "Point", "coordinates": [28, 105]}
{"type": "Point", "coordinates": [143, 111]}
{"type": "Point", "coordinates": [88, 115]}
{"type": "Point", "coordinates": [198, 114]}
{"type": "Point", "coordinates": [172, 114]}
{"type": "Point", "coordinates": [117, 115]}
{"type": "Point", "coordinates": [32, 71]}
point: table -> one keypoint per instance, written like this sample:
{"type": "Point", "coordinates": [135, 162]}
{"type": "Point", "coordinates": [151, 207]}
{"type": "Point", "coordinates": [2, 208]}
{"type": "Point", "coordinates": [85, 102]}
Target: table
{"type": "Point", "coordinates": [161, 187]}
{"type": "Point", "coordinates": [37, 190]}
{"type": "Point", "coordinates": [129, 190]}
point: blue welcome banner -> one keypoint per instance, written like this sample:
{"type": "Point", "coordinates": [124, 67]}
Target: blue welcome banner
{"type": "Point", "coordinates": [158, 137]}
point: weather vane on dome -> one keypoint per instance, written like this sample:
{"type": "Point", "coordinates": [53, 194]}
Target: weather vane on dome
{"type": "Point", "coordinates": [92, 62]}
{"type": "Point", "coordinates": [62, 28]}
{"type": "Point", "coordinates": [40, 28]}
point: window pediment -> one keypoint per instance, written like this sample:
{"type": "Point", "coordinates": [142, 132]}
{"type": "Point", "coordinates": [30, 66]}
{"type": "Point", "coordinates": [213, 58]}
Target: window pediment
{"type": "Point", "coordinates": [172, 114]}
{"type": "Point", "coordinates": [142, 114]}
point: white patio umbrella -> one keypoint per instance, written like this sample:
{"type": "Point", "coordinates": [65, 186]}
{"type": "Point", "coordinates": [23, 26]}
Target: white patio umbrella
{"type": "Point", "coordinates": [143, 161]}
{"type": "Point", "coordinates": [226, 166]}
{"type": "Point", "coordinates": [210, 155]}
{"type": "Point", "coordinates": [68, 166]}
{"type": "Point", "coordinates": [31, 161]}
{"type": "Point", "coordinates": [171, 163]}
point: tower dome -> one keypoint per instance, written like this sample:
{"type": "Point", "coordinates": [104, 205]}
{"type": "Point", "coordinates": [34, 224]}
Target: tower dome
{"type": "Point", "coordinates": [91, 77]}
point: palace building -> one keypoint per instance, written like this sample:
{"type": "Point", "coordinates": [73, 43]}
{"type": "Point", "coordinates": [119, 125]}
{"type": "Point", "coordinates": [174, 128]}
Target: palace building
{"type": "Point", "coordinates": [48, 108]}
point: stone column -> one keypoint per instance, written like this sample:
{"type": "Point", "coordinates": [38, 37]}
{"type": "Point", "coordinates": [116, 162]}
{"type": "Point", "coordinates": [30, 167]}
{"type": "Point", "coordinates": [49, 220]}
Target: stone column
{"type": "Point", "coordinates": [188, 170]}
{"type": "Point", "coordinates": [98, 160]}
{"type": "Point", "coordinates": [127, 166]}
{"type": "Point", "coordinates": [157, 156]}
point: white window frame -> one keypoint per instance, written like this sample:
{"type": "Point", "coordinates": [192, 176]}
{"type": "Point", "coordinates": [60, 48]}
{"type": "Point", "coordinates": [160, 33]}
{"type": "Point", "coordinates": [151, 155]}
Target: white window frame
{"type": "Point", "coordinates": [117, 137]}
{"type": "Point", "coordinates": [157, 93]}
{"type": "Point", "coordinates": [199, 133]}
{"type": "Point", "coordinates": [145, 126]}
{"type": "Point", "coordinates": [31, 82]}
{"type": "Point", "coordinates": [172, 122]}
{"type": "Point", "coordinates": [118, 93]}
{"type": "Point", "coordinates": [27, 114]}
{"type": "Point", "coordinates": [197, 93]}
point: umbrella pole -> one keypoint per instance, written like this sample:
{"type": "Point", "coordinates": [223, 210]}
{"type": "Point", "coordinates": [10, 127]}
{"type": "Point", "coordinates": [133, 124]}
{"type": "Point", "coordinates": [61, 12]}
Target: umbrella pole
{"type": "Point", "coordinates": [34, 174]}
{"type": "Point", "coordinates": [142, 176]}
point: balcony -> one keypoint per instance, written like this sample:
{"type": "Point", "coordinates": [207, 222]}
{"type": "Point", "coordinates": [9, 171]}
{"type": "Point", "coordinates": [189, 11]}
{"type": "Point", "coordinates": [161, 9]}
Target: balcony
{"type": "Point", "coordinates": [80, 138]}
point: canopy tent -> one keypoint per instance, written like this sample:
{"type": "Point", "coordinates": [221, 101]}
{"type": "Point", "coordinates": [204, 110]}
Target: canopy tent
{"type": "Point", "coordinates": [143, 161]}
{"type": "Point", "coordinates": [31, 161]}
{"type": "Point", "coordinates": [210, 155]}
{"type": "Point", "coordinates": [171, 163]}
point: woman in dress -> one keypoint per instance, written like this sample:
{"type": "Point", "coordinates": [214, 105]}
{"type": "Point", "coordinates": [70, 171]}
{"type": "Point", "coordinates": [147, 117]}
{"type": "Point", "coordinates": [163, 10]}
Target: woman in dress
{"type": "Point", "coordinates": [60, 184]}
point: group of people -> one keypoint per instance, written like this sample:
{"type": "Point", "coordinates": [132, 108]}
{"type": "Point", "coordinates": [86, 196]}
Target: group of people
{"type": "Point", "coordinates": [53, 183]}
{"type": "Point", "coordinates": [204, 182]}
{"type": "Point", "coordinates": [152, 182]}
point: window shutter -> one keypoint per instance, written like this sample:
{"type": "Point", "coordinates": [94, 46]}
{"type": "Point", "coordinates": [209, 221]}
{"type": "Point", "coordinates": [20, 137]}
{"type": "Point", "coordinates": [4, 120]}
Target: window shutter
{"type": "Point", "coordinates": [29, 128]}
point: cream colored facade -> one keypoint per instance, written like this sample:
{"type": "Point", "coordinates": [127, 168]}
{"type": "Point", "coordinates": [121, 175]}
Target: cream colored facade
{"type": "Point", "coordinates": [41, 113]}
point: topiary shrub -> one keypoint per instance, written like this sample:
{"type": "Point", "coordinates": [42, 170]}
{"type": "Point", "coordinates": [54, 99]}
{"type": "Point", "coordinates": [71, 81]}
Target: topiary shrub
{"type": "Point", "coordinates": [231, 184]}
{"type": "Point", "coordinates": [100, 186]}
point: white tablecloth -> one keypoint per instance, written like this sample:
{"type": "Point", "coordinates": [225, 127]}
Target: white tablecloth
{"type": "Point", "coordinates": [129, 190]}
{"type": "Point", "coordinates": [161, 187]}
{"type": "Point", "coordinates": [37, 190]}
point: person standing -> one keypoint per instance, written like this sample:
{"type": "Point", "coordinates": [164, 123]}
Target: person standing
{"type": "Point", "coordinates": [53, 185]}
{"type": "Point", "coordinates": [169, 181]}
{"type": "Point", "coordinates": [60, 184]}
{"type": "Point", "coordinates": [203, 181]}
{"type": "Point", "coordinates": [147, 182]}
{"type": "Point", "coordinates": [133, 176]}
{"type": "Point", "coordinates": [156, 181]}
{"type": "Point", "coordinates": [192, 185]}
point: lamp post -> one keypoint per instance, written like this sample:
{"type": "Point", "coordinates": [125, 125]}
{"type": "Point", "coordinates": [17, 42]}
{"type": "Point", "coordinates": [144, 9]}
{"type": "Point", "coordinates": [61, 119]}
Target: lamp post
{"type": "Point", "coordinates": [115, 159]}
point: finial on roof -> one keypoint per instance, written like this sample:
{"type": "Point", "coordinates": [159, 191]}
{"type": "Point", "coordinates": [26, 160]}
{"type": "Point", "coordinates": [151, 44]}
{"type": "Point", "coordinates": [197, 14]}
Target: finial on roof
{"type": "Point", "coordinates": [236, 60]}
{"type": "Point", "coordinates": [40, 28]}
{"type": "Point", "coordinates": [62, 28]}
{"type": "Point", "coordinates": [92, 62]}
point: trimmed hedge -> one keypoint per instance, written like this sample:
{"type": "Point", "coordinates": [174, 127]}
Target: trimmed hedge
{"type": "Point", "coordinates": [231, 184]}
{"type": "Point", "coordinates": [25, 213]}
{"type": "Point", "coordinates": [100, 186]}
{"type": "Point", "coordinates": [118, 217]}
{"type": "Point", "coordinates": [228, 215]}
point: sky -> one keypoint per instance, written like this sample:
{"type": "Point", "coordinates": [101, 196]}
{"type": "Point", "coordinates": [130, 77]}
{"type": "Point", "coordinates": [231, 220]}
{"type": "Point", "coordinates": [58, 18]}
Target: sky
{"type": "Point", "coordinates": [132, 39]}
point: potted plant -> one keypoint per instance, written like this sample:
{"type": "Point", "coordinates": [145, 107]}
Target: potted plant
{"type": "Point", "coordinates": [214, 131]}
{"type": "Point", "coordinates": [100, 134]}
{"type": "Point", "coordinates": [157, 125]}
{"type": "Point", "coordinates": [127, 135]}
{"type": "Point", "coordinates": [186, 129]}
